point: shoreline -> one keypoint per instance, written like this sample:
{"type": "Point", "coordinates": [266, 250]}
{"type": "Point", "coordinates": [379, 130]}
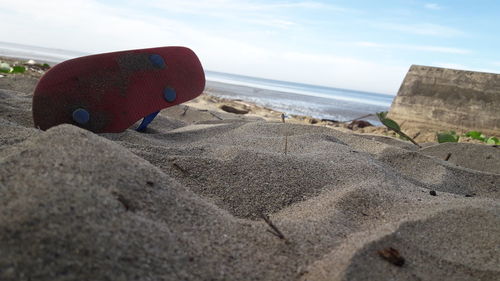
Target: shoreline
{"type": "Point", "coordinates": [314, 101]}
{"type": "Point", "coordinates": [243, 108]}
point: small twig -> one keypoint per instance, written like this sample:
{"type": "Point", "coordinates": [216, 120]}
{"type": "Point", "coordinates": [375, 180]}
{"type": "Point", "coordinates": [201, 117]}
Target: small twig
{"type": "Point", "coordinates": [286, 144]}
{"type": "Point", "coordinates": [407, 137]}
{"type": "Point", "coordinates": [392, 255]}
{"type": "Point", "coordinates": [185, 110]}
{"type": "Point", "coordinates": [175, 165]}
{"type": "Point", "coordinates": [286, 133]}
{"type": "Point", "coordinates": [361, 117]}
{"type": "Point", "coordinates": [275, 231]}
{"type": "Point", "coordinates": [124, 201]}
{"type": "Point", "coordinates": [447, 157]}
{"type": "Point", "coordinates": [213, 114]}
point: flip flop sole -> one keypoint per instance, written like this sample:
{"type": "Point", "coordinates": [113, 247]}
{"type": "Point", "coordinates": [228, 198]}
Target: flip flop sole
{"type": "Point", "coordinates": [108, 93]}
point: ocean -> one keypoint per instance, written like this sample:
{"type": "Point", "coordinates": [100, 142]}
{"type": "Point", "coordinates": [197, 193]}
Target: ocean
{"type": "Point", "coordinates": [297, 98]}
{"type": "Point", "coordinates": [289, 97]}
{"type": "Point", "coordinates": [40, 54]}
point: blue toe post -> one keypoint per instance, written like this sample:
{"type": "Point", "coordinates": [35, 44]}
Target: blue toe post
{"type": "Point", "coordinates": [157, 61]}
{"type": "Point", "coordinates": [81, 116]}
{"type": "Point", "coordinates": [145, 122]}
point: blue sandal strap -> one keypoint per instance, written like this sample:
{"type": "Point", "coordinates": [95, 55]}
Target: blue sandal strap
{"type": "Point", "coordinates": [145, 122]}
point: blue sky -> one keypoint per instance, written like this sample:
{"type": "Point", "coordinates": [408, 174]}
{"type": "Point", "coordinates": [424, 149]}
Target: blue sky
{"type": "Point", "coordinates": [364, 45]}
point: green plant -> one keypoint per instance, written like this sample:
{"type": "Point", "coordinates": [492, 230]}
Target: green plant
{"type": "Point", "coordinates": [394, 126]}
{"type": "Point", "coordinates": [492, 140]}
{"type": "Point", "coordinates": [475, 135]}
{"type": "Point", "coordinates": [479, 136]}
{"type": "Point", "coordinates": [6, 68]}
{"type": "Point", "coordinates": [450, 136]}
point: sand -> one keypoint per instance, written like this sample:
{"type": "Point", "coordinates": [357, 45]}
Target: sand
{"type": "Point", "coordinates": [184, 201]}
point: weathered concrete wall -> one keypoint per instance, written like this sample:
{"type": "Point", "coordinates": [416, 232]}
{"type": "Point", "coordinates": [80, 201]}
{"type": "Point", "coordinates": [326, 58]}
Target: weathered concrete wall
{"type": "Point", "coordinates": [444, 99]}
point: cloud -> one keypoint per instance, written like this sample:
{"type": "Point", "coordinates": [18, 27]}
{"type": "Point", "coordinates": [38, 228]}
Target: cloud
{"type": "Point", "coordinates": [264, 13]}
{"type": "Point", "coordinates": [235, 8]}
{"type": "Point", "coordinates": [491, 67]}
{"type": "Point", "coordinates": [451, 65]}
{"type": "Point", "coordinates": [336, 71]}
{"type": "Point", "coordinates": [436, 49]}
{"type": "Point", "coordinates": [89, 26]}
{"type": "Point", "coordinates": [240, 6]}
{"type": "Point", "coordinates": [489, 70]}
{"type": "Point", "coordinates": [428, 29]}
{"type": "Point", "coordinates": [467, 67]}
{"type": "Point", "coordinates": [433, 6]}
{"type": "Point", "coordinates": [423, 48]}
{"type": "Point", "coordinates": [93, 26]}
{"type": "Point", "coordinates": [275, 23]}
{"type": "Point", "coordinates": [370, 44]}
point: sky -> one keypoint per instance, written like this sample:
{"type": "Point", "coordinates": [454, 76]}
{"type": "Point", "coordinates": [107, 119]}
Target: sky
{"type": "Point", "coordinates": [363, 45]}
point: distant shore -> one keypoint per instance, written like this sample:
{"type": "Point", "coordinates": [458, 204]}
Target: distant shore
{"type": "Point", "coordinates": [208, 101]}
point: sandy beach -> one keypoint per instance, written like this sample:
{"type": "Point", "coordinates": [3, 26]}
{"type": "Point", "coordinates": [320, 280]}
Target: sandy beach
{"type": "Point", "coordinates": [206, 194]}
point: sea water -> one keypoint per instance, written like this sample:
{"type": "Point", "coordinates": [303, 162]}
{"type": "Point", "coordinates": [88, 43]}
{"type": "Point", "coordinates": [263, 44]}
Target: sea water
{"type": "Point", "coordinates": [299, 99]}
{"type": "Point", "coordinates": [288, 97]}
{"type": "Point", "coordinates": [40, 54]}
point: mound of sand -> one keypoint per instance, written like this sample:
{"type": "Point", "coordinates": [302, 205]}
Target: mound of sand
{"type": "Point", "coordinates": [184, 201]}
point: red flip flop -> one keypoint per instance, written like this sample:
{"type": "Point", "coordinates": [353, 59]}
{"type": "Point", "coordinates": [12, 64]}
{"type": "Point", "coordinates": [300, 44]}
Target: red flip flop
{"type": "Point", "coordinates": [108, 93]}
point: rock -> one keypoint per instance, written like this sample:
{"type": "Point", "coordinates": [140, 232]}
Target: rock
{"type": "Point", "coordinates": [234, 110]}
{"type": "Point", "coordinates": [5, 67]}
{"type": "Point", "coordinates": [358, 124]}
{"type": "Point", "coordinates": [330, 120]}
{"type": "Point", "coordinates": [305, 119]}
{"type": "Point", "coordinates": [313, 121]}
{"type": "Point", "coordinates": [447, 99]}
